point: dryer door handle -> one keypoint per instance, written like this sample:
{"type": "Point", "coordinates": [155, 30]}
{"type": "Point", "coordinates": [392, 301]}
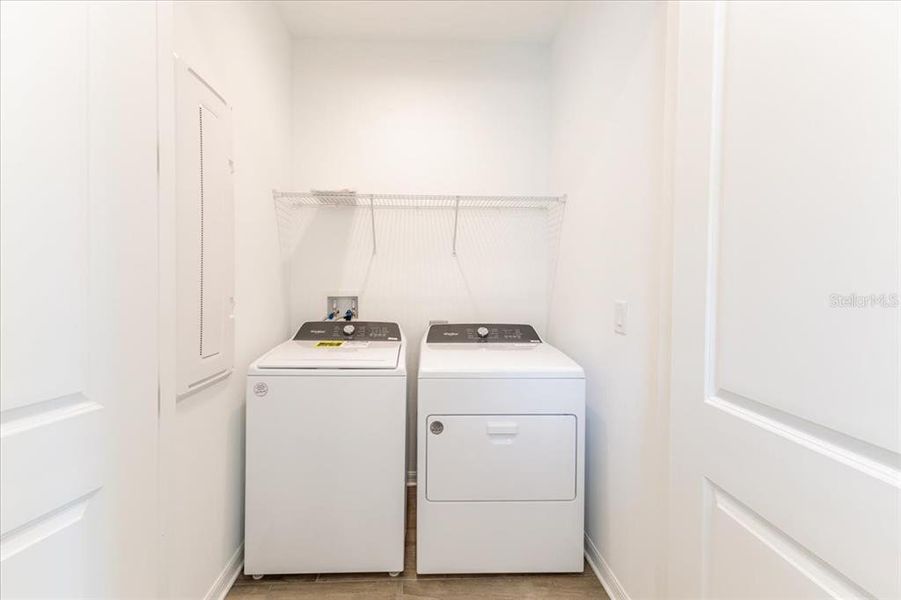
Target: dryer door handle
{"type": "Point", "coordinates": [502, 428]}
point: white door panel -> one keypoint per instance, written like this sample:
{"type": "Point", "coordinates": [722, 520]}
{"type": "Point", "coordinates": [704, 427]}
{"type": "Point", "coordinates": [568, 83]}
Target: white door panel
{"type": "Point", "coordinates": [44, 192]}
{"type": "Point", "coordinates": [809, 128]}
{"type": "Point", "coordinates": [78, 324]}
{"type": "Point", "coordinates": [50, 435]}
{"type": "Point", "coordinates": [72, 424]}
{"type": "Point", "coordinates": [741, 546]}
{"type": "Point", "coordinates": [54, 542]}
{"type": "Point", "coordinates": [808, 490]}
{"type": "Point", "coordinates": [785, 471]}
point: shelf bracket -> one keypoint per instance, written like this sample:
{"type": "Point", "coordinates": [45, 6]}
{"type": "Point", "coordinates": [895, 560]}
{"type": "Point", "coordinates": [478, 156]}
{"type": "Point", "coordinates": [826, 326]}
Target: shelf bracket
{"type": "Point", "coordinates": [372, 220]}
{"type": "Point", "coordinates": [456, 220]}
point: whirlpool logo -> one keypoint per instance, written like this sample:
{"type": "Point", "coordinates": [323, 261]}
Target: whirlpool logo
{"type": "Point", "coordinates": [260, 389]}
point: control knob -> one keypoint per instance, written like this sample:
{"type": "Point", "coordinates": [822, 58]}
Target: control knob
{"type": "Point", "coordinates": [349, 330]}
{"type": "Point", "coordinates": [482, 332]}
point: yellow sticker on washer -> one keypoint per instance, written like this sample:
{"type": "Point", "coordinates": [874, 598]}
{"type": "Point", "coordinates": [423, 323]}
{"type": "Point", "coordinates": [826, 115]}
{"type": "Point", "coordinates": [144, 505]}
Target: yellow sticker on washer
{"type": "Point", "coordinates": [329, 344]}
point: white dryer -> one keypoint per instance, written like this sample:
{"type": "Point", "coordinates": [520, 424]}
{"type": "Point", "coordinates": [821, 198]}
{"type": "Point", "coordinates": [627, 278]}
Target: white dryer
{"type": "Point", "coordinates": [326, 430]}
{"type": "Point", "coordinates": [501, 447]}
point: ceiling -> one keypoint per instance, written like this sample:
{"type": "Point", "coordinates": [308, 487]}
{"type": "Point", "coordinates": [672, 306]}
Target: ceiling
{"type": "Point", "coordinates": [445, 20]}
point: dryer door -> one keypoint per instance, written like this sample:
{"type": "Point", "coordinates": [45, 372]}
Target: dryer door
{"type": "Point", "coordinates": [500, 457]}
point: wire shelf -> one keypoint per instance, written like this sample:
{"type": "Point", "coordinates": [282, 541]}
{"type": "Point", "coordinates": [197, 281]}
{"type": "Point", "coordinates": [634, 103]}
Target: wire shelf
{"type": "Point", "coordinates": [353, 199]}
{"type": "Point", "coordinates": [288, 203]}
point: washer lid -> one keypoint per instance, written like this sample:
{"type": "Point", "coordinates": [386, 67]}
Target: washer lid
{"type": "Point", "coordinates": [332, 354]}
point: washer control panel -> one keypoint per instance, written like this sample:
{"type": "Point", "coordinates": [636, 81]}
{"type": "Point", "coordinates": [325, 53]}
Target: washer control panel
{"type": "Point", "coordinates": [374, 331]}
{"type": "Point", "coordinates": [482, 333]}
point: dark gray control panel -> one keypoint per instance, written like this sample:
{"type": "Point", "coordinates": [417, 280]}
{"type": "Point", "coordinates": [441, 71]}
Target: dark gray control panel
{"type": "Point", "coordinates": [375, 331]}
{"type": "Point", "coordinates": [482, 333]}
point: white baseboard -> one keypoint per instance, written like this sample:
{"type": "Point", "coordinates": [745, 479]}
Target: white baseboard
{"type": "Point", "coordinates": [602, 570]}
{"type": "Point", "coordinates": [411, 477]}
{"type": "Point", "coordinates": [227, 577]}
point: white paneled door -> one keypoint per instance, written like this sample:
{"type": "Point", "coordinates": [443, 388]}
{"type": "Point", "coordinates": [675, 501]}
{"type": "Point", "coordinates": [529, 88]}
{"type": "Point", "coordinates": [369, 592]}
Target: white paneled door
{"type": "Point", "coordinates": [785, 372]}
{"type": "Point", "coordinates": [78, 313]}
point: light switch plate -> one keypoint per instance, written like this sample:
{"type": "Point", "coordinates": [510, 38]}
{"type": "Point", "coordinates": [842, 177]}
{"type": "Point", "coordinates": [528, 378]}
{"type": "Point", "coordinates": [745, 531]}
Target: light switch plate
{"type": "Point", "coordinates": [620, 314]}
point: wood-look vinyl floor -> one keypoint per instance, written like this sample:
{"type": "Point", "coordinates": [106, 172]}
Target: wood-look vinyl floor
{"type": "Point", "coordinates": [410, 586]}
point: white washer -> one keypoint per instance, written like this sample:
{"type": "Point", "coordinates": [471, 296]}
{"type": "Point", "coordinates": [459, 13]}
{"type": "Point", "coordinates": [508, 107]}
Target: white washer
{"type": "Point", "coordinates": [326, 429]}
{"type": "Point", "coordinates": [501, 447]}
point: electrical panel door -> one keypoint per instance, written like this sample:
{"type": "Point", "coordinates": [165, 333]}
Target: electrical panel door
{"type": "Point", "coordinates": [205, 233]}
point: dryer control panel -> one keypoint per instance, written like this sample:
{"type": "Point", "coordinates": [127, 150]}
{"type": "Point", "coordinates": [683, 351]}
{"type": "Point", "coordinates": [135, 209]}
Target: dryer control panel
{"type": "Point", "coordinates": [373, 331]}
{"type": "Point", "coordinates": [482, 333]}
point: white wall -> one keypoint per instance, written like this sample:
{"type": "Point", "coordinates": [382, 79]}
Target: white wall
{"type": "Point", "coordinates": [244, 51]}
{"type": "Point", "coordinates": [608, 68]}
{"type": "Point", "coordinates": [407, 117]}
{"type": "Point", "coordinates": [432, 118]}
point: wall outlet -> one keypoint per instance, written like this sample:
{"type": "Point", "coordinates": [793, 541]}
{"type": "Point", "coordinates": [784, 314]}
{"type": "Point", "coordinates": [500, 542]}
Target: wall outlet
{"type": "Point", "coordinates": [339, 305]}
{"type": "Point", "coordinates": [620, 315]}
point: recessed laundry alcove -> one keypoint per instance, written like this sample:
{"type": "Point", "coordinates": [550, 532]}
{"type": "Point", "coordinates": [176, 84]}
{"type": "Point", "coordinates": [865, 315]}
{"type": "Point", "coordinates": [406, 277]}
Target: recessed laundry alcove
{"type": "Point", "coordinates": [696, 202]}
